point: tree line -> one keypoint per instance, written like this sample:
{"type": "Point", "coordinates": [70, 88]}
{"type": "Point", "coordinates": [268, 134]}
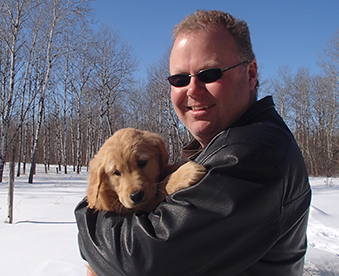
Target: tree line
{"type": "Point", "coordinates": [65, 88]}
{"type": "Point", "coordinates": [310, 106]}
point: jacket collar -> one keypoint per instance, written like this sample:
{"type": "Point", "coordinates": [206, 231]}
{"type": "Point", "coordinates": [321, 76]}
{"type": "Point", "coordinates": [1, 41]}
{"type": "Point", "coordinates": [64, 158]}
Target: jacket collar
{"type": "Point", "coordinates": [256, 109]}
{"type": "Point", "coordinates": [193, 148]}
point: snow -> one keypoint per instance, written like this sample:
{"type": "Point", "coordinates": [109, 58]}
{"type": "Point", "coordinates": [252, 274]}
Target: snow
{"type": "Point", "coordinates": [43, 238]}
{"type": "Point", "coordinates": [323, 228]}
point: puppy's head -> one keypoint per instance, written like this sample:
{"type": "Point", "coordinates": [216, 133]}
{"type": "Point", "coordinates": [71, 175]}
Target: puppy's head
{"type": "Point", "coordinates": [126, 170]}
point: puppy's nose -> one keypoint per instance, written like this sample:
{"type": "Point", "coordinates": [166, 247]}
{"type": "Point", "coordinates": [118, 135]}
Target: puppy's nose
{"type": "Point", "coordinates": [137, 196]}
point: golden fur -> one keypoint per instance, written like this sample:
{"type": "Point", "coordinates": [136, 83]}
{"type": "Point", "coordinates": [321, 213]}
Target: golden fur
{"type": "Point", "coordinates": [128, 173]}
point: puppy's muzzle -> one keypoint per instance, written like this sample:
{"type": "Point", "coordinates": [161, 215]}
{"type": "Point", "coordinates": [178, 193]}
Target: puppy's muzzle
{"type": "Point", "coordinates": [137, 196]}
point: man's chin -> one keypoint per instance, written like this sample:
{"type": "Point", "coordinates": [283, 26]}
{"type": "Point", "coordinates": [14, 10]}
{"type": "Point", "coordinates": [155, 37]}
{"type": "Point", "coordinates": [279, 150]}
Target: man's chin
{"type": "Point", "coordinates": [203, 133]}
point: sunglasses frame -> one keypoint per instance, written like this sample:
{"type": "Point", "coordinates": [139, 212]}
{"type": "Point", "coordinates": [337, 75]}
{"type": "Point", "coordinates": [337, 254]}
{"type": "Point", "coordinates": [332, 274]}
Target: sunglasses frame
{"type": "Point", "coordinates": [201, 72]}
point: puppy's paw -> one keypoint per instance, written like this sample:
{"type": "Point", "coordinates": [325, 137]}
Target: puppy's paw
{"type": "Point", "coordinates": [186, 175]}
{"type": "Point", "coordinates": [190, 173]}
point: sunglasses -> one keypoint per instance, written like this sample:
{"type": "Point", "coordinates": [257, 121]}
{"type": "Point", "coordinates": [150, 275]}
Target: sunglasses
{"type": "Point", "coordinates": [205, 76]}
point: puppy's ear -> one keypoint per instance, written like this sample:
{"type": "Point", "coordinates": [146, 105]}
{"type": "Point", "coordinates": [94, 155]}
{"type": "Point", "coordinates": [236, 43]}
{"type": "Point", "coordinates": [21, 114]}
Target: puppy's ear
{"type": "Point", "coordinates": [96, 180]}
{"type": "Point", "coordinates": [159, 143]}
{"type": "Point", "coordinates": [164, 156]}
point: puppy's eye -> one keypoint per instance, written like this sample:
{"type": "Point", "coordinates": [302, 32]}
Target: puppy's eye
{"type": "Point", "coordinates": [117, 173]}
{"type": "Point", "coordinates": [142, 163]}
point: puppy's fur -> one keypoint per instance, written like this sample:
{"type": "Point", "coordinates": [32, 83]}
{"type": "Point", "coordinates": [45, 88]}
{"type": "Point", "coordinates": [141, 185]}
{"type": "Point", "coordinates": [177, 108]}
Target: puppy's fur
{"type": "Point", "coordinates": [128, 173]}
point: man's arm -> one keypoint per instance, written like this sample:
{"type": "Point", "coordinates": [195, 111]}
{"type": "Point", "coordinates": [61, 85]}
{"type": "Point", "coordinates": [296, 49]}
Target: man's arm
{"type": "Point", "coordinates": [232, 217]}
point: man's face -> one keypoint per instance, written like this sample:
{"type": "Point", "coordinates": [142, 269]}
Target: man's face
{"type": "Point", "coordinates": [208, 108]}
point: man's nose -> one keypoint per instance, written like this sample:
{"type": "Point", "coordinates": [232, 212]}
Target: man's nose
{"type": "Point", "coordinates": [195, 87]}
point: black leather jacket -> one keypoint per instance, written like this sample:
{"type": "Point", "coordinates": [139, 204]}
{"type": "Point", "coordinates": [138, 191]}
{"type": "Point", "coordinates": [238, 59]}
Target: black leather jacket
{"type": "Point", "coordinates": [248, 216]}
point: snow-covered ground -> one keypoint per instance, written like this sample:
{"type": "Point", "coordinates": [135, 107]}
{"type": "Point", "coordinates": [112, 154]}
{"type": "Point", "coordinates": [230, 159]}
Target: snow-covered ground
{"type": "Point", "coordinates": [322, 257]}
{"type": "Point", "coordinates": [42, 241]}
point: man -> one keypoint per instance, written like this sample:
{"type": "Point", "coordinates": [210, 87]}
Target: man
{"type": "Point", "coordinates": [248, 216]}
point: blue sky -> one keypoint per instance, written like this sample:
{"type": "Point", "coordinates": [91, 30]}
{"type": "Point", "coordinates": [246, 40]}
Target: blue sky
{"type": "Point", "coordinates": [286, 32]}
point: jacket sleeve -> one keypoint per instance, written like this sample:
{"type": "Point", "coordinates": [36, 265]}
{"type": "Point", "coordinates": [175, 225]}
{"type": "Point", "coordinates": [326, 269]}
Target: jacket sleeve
{"type": "Point", "coordinates": [221, 226]}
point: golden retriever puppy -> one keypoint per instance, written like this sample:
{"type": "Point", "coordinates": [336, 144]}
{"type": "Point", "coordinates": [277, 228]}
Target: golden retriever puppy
{"type": "Point", "coordinates": [129, 173]}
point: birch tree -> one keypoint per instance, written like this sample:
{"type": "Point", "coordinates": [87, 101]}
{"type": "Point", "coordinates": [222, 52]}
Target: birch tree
{"type": "Point", "coordinates": [322, 127]}
{"type": "Point", "coordinates": [61, 16]}
{"type": "Point", "coordinates": [34, 25]}
{"type": "Point", "coordinates": [13, 16]}
{"type": "Point", "coordinates": [281, 86]}
{"type": "Point", "coordinates": [329, 62]}
{"type": "Point", "coordinates": [301, 105]}
{"type": "Point", "coordinates": [79, 87]}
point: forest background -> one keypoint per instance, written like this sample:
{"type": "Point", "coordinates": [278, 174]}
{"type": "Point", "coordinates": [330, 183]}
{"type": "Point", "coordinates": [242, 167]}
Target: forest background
{"type": "Point", "coordinates": [66, 87]}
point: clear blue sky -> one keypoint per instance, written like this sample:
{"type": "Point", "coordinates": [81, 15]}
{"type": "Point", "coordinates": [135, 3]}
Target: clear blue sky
{"type": "Point", "coordinates": [285, 32]}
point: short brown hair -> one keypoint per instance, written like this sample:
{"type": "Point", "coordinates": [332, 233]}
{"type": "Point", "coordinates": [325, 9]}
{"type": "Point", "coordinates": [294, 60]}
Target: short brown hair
{"type": "Point", "coordinates": [202, 20]}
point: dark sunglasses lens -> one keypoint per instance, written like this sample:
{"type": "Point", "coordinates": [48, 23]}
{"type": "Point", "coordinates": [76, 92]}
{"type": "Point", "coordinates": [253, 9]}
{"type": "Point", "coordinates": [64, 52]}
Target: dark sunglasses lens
{"type": "Point", "coordinates": [206, 76]}
{"type": "Point", "coordinates": [210, 75]}
{"type": "Point", "coordinates": [179, 80]}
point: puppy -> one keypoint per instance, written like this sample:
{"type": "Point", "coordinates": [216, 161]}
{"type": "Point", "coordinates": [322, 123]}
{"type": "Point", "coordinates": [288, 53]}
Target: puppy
{"type": "Point", "coordinates": [129, 173]}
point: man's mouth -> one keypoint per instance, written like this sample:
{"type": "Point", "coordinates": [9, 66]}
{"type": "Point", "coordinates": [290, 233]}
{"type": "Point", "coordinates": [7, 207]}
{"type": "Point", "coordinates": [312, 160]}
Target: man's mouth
{"type": "Point", "coordinates": [196, 108]}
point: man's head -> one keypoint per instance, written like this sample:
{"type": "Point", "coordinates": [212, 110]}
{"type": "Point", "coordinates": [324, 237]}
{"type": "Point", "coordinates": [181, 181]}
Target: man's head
{"type": "Point", "coordinates": [203, 20]}
{"type": "Point", "coordinates": [213, 101]}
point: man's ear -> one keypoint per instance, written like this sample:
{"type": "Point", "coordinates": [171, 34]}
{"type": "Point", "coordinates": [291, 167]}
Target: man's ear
{"type": "Point", "coordinates": [252, 72]}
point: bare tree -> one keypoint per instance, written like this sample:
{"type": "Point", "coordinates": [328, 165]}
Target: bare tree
{"type": "Point", "coordinates": [327, 106]}
{"type": "Point", "coordinates": [161, 116]}
{"type": "Point", "coordinates": [79, 86]}
{"type": "Point", "coordinates": [35, 22]}
{"type": "Point", "coordinates": [13, 14]}
{"type": "Point", "coordinates": [90, 132]}
{"type": "Point", "coordinates": [324, 127]}
{"type": "Point", "coordinates": [281, 86]}
{"type": "Point", "coordinates": [301, 104]}
{"type": "Point", "coordinates": [114, 66]}
{"type": "Point", "coordinates": [61, 15]}
{"type": "Point", "coordinates": [49, 58]}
